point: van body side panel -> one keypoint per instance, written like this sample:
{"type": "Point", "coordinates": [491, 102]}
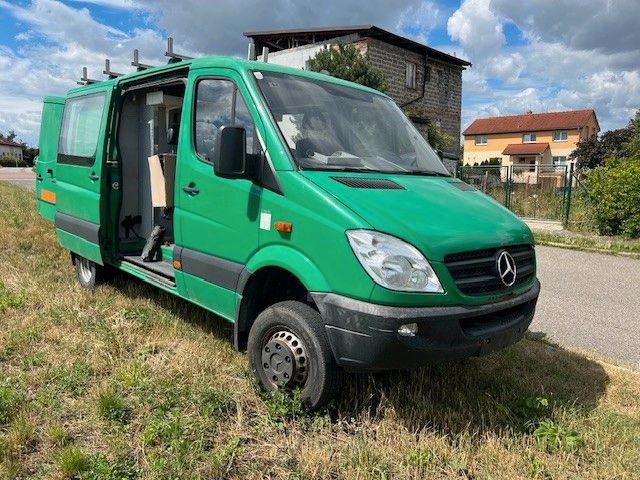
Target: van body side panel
{"type": "Point", "coordinates": [46, 193]}
{"type": "Point", "coordinates": [80, 184]}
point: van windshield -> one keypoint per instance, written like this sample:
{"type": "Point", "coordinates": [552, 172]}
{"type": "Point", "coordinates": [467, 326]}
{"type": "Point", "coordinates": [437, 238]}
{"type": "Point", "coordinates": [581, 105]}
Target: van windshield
{"type": "Point", "coordinates": [333, 127]}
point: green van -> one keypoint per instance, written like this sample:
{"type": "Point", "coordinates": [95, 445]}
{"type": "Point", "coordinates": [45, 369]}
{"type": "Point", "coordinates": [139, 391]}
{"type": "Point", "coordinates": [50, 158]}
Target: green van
{"type": "Point", "coordinates": [306, 210]}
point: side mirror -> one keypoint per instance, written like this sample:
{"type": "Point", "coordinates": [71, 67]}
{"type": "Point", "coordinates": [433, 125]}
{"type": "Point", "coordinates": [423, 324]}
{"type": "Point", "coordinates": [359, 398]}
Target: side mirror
{"type": "Point", "coordinates": [229, 158]}
{"type": "Point", "coordinates": [172, 136]}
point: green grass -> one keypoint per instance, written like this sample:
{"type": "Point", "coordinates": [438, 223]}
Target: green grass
{"type": "Point", "coordinates": [127, 382]}
{"type": "Point", "coordinates": [578, 241]}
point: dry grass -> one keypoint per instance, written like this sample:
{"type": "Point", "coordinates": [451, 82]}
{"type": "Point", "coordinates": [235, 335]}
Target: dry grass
{"type": "Point", "coordinates": [128, 382]}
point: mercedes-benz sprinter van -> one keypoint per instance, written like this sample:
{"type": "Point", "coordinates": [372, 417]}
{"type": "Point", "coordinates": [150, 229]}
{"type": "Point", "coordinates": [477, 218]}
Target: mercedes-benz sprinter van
{"type": "Point", "coordinates": [306, 210]}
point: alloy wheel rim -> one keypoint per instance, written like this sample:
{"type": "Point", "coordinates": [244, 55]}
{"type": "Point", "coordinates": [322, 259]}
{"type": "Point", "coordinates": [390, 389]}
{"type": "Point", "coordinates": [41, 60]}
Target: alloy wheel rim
{"type": "Point", "coordinates": [284, 359]}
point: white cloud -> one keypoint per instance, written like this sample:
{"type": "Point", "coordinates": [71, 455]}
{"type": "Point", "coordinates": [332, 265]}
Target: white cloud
{"type": "Point", "coordinates": [421, 18]}
{"type": "Point", "coordinates": [477, 28]}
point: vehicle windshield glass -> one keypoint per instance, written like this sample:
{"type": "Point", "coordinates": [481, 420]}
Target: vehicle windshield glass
{"type": "Point", "coordinates": [333, 127]}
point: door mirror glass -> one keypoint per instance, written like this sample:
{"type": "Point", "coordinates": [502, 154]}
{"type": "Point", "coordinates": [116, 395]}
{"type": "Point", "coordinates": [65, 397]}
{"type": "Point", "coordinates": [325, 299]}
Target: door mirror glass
{"type": "Point", "coordinates": [230, 159]}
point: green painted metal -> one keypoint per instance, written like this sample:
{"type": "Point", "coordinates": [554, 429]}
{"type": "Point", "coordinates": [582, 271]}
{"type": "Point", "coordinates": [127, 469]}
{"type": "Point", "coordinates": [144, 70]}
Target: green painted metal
{"type": "Point", "coordinates": [48, 150]}
{"type": "Point", "coordinates": [234, 219]}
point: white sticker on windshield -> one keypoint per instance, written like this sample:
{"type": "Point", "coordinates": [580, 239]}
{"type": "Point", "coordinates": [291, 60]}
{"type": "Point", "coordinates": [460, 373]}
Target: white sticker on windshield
{"type": "Point", "coordinates": [265, 220]}
{"type": "Point", "coordinates": [258, 75]}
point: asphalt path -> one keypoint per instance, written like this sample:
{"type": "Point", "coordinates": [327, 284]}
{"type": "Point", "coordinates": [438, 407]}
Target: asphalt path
{"type": "Point", "coordinates": [25, 177]}
{"type": "Point", "coordinates": [590, 301]}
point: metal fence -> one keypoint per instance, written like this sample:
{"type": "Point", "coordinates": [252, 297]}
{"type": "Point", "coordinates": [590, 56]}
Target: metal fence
{"type": "Point", "coordinates": [531, 191]}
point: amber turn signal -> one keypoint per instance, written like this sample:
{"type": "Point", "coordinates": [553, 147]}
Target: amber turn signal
{"type": "Point", "coordinates": [284, 227]}
{"type": "Point", "coordinates": [177, 264]}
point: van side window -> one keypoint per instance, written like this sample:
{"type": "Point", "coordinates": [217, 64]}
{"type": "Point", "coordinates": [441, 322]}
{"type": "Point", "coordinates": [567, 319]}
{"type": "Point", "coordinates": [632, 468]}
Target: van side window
{"type": "Point", "coordinates": [81, 122]}
{"type": "Point", "coordinates": [219, 103]}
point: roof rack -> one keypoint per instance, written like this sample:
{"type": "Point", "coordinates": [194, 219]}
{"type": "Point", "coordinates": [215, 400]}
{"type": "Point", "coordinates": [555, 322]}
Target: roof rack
{"type": "Point", "coordinates": [135, 63]}
{"type": "Point", "coordinates": [85, 80]}
{"type": "Point", "coordinates": [173, 56]}
{"type": "Point", "coordinates": [107, 70]}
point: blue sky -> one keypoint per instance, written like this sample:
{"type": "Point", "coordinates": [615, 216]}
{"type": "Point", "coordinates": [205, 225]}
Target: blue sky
{"type": "Point", "coordinates": [543, 55]}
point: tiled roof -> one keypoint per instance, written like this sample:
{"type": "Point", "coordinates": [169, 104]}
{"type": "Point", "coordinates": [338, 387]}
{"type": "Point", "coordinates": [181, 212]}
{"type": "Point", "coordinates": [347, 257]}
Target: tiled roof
{"type": "Point", "coordinates": [9, 143]}
{"type": "Point", "coordinates": [530, 122]}
{"type": "Point", "coordinates": [525, 149]}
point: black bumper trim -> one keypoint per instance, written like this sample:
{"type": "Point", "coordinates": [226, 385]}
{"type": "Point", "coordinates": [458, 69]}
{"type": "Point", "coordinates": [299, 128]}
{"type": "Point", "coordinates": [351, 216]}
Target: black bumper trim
{"type": "Point", "coordinates": [364, 336]}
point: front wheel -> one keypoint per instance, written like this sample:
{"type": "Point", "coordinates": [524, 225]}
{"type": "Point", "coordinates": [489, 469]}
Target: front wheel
{"type": "Point", "coordinates": [288, 348]}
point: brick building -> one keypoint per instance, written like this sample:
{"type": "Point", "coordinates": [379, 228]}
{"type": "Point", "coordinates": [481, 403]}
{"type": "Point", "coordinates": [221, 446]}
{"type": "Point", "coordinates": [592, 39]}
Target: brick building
{"type": "Point", "coordinates": [426, 83]}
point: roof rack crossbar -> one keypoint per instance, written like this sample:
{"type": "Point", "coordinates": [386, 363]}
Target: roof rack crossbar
{"type": "Point", "coordinates": [107, 70]}
{"type": "Point", "coordinates": [136, 63]}
{"type": "Point", "coordinates": [173, 56]}
{"type": "Point", "coordinates": [85, 80]}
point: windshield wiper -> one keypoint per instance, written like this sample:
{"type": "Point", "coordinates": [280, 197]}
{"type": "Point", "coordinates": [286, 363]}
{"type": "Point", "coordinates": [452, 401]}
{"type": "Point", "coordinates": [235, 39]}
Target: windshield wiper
{"type": "Point", "coordinates": [346, 169]}
{"type": "Point", "coordinates": [426, 173]}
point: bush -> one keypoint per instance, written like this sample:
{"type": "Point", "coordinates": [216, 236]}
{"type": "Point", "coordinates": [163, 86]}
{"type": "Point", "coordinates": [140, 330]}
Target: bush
{"type": "Point", "coordinates": [615, 191]}
{"type": "Point", "coordinates": [12, 162]}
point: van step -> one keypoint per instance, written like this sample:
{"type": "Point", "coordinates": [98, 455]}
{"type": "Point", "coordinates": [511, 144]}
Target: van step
{"type": "Point", "coordinates": [164, 269]}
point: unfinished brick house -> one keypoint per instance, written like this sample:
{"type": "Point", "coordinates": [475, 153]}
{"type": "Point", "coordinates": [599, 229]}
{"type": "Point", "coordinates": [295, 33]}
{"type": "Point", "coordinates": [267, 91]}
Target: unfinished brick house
{"type": "Point", "coordinates": [426, 83]}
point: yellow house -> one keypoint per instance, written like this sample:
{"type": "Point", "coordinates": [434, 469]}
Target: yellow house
{"type": "Point", "coordinates": [529, 139]}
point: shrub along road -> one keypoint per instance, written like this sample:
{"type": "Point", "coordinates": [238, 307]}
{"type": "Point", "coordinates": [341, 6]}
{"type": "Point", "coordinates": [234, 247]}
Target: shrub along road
{"type": "Point", "coordinates": [590, 301]}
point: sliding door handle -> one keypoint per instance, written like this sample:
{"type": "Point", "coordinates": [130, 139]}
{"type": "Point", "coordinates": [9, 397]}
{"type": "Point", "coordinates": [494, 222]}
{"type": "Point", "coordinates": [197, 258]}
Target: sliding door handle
{"type": "Point", "coordinates": [190, 190]}
{"type": "Point", "coordinates": [93, 177]}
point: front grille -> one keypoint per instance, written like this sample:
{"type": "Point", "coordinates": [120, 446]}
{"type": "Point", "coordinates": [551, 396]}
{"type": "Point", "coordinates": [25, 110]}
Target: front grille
{"type": "Point", "coordinates": [476, 273]}
{"type": "Point", "coordinates": [376, 183]}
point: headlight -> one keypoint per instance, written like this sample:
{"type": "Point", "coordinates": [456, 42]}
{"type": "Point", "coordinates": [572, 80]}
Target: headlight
{"type": "Point", "coordinates": [392, 263]}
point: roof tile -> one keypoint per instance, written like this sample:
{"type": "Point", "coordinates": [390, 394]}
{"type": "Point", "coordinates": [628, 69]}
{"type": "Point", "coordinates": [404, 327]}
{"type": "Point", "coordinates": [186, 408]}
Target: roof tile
{"type": "Point", "coordinates": [530, 122]}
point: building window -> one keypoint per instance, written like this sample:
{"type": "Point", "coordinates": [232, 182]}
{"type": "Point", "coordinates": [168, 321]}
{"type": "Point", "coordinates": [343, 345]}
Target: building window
{"type": "Point", "coordinates": [560, 136]}
{"type": "Point", "coordinates": [560, 161]}
{"type": "Point", "coordinates": [528, 138]}
{"type": "Point", "coordinates": [410, 75]}
{"type": "Point", "coordinates": [481, 139]}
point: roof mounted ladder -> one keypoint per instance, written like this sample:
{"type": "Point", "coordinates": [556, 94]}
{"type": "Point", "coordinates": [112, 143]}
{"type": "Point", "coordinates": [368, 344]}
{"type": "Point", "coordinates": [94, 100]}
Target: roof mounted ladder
{"type": "Point", "coordinates": [85, 80]}
{"type": "Point", "coordinates": [174, 57]}
{"type": "Point", "coordinates": [139, 66]}
{"type": "Point", "coordinates": [107, 70]}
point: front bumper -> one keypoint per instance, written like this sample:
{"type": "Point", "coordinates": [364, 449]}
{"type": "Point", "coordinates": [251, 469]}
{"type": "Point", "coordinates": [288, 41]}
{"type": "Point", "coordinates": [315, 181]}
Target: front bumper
{"type": "Point", "coordinates": [364, 336]}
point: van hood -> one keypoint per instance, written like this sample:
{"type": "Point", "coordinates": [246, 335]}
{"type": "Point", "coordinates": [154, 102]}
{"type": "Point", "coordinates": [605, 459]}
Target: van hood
{"type": "Point", "coordinates": [438, 215]}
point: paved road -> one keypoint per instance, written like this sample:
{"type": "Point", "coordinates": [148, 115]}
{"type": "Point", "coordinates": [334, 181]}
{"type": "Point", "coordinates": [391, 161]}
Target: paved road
{"type": "Point", "coordinates": [19, 176]}
{"type": "Point", "coordinates": [590, 301]}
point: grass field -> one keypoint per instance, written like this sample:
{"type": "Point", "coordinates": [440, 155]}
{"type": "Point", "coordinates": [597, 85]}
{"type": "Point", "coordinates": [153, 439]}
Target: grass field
{"type": "Point", "coordinates": [127, 382]}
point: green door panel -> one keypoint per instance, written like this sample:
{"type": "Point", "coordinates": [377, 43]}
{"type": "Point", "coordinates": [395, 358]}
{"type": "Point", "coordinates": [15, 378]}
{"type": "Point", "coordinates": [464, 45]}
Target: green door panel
{"type": "Point", "coordinates": [46, 191]}
{"type": "Point", "coordinates": [82, 150]}
{"type": "Point", "coordinates": [220, 220]}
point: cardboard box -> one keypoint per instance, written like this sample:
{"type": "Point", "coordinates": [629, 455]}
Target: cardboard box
{"type": "Point", "coordinates": [162, 171]}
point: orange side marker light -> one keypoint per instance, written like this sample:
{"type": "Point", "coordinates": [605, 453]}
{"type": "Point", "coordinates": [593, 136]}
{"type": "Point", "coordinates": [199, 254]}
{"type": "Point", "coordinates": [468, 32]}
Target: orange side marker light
{"type": "Point", "coordinates": [284, 227]}
{"type": "Point", "coordinates": [177, 264]}
{"type": "Point", "coordinates": [48, 196]}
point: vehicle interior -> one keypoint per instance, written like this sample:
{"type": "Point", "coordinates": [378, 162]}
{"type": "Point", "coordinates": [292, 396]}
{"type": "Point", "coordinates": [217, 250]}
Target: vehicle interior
{"type": "Point", "coordinates": [148, 133]}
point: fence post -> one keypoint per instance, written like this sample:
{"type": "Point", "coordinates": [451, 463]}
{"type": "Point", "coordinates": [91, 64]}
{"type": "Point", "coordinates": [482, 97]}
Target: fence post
{"type": "Point", "coordinates": [567, 203]}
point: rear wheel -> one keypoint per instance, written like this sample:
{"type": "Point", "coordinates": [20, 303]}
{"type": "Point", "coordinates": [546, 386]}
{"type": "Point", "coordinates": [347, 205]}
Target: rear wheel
{"type": "Point", "coordinates": [89, 273]}
{"type": "Point", "coordinates": [288, 348]}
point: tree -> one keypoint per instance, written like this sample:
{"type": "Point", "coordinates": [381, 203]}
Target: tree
{"type": "Point", "coordinates": [592, 152]}
{"type": "Point", "coordinates": [346, 62]}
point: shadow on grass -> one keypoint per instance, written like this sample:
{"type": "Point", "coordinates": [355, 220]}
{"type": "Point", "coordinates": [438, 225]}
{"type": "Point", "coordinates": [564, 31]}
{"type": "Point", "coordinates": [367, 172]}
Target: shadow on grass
{"type": "Point", "coordinates": [473, 395]}
{"type": "Point", "coordinates": [481, 394]}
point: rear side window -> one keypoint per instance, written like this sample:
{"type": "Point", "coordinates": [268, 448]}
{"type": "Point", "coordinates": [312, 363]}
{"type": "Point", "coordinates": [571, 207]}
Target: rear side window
{"type": "Point", "coordinates": [218, 103]}
{"type": "Point", "coordinates": [81, 123]}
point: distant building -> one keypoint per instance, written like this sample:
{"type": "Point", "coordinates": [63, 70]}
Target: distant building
{"type": "Point", "coordinates": [10, 150]}
{"type": "Point", "coordinates": [529, 139]}
{"type": "Point", "coordinates": [426, 83]}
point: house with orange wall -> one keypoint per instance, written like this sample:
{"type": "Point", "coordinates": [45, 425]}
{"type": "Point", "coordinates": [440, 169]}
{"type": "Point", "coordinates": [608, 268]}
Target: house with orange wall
{"type": "Point", "coordinates": [529, 139]}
